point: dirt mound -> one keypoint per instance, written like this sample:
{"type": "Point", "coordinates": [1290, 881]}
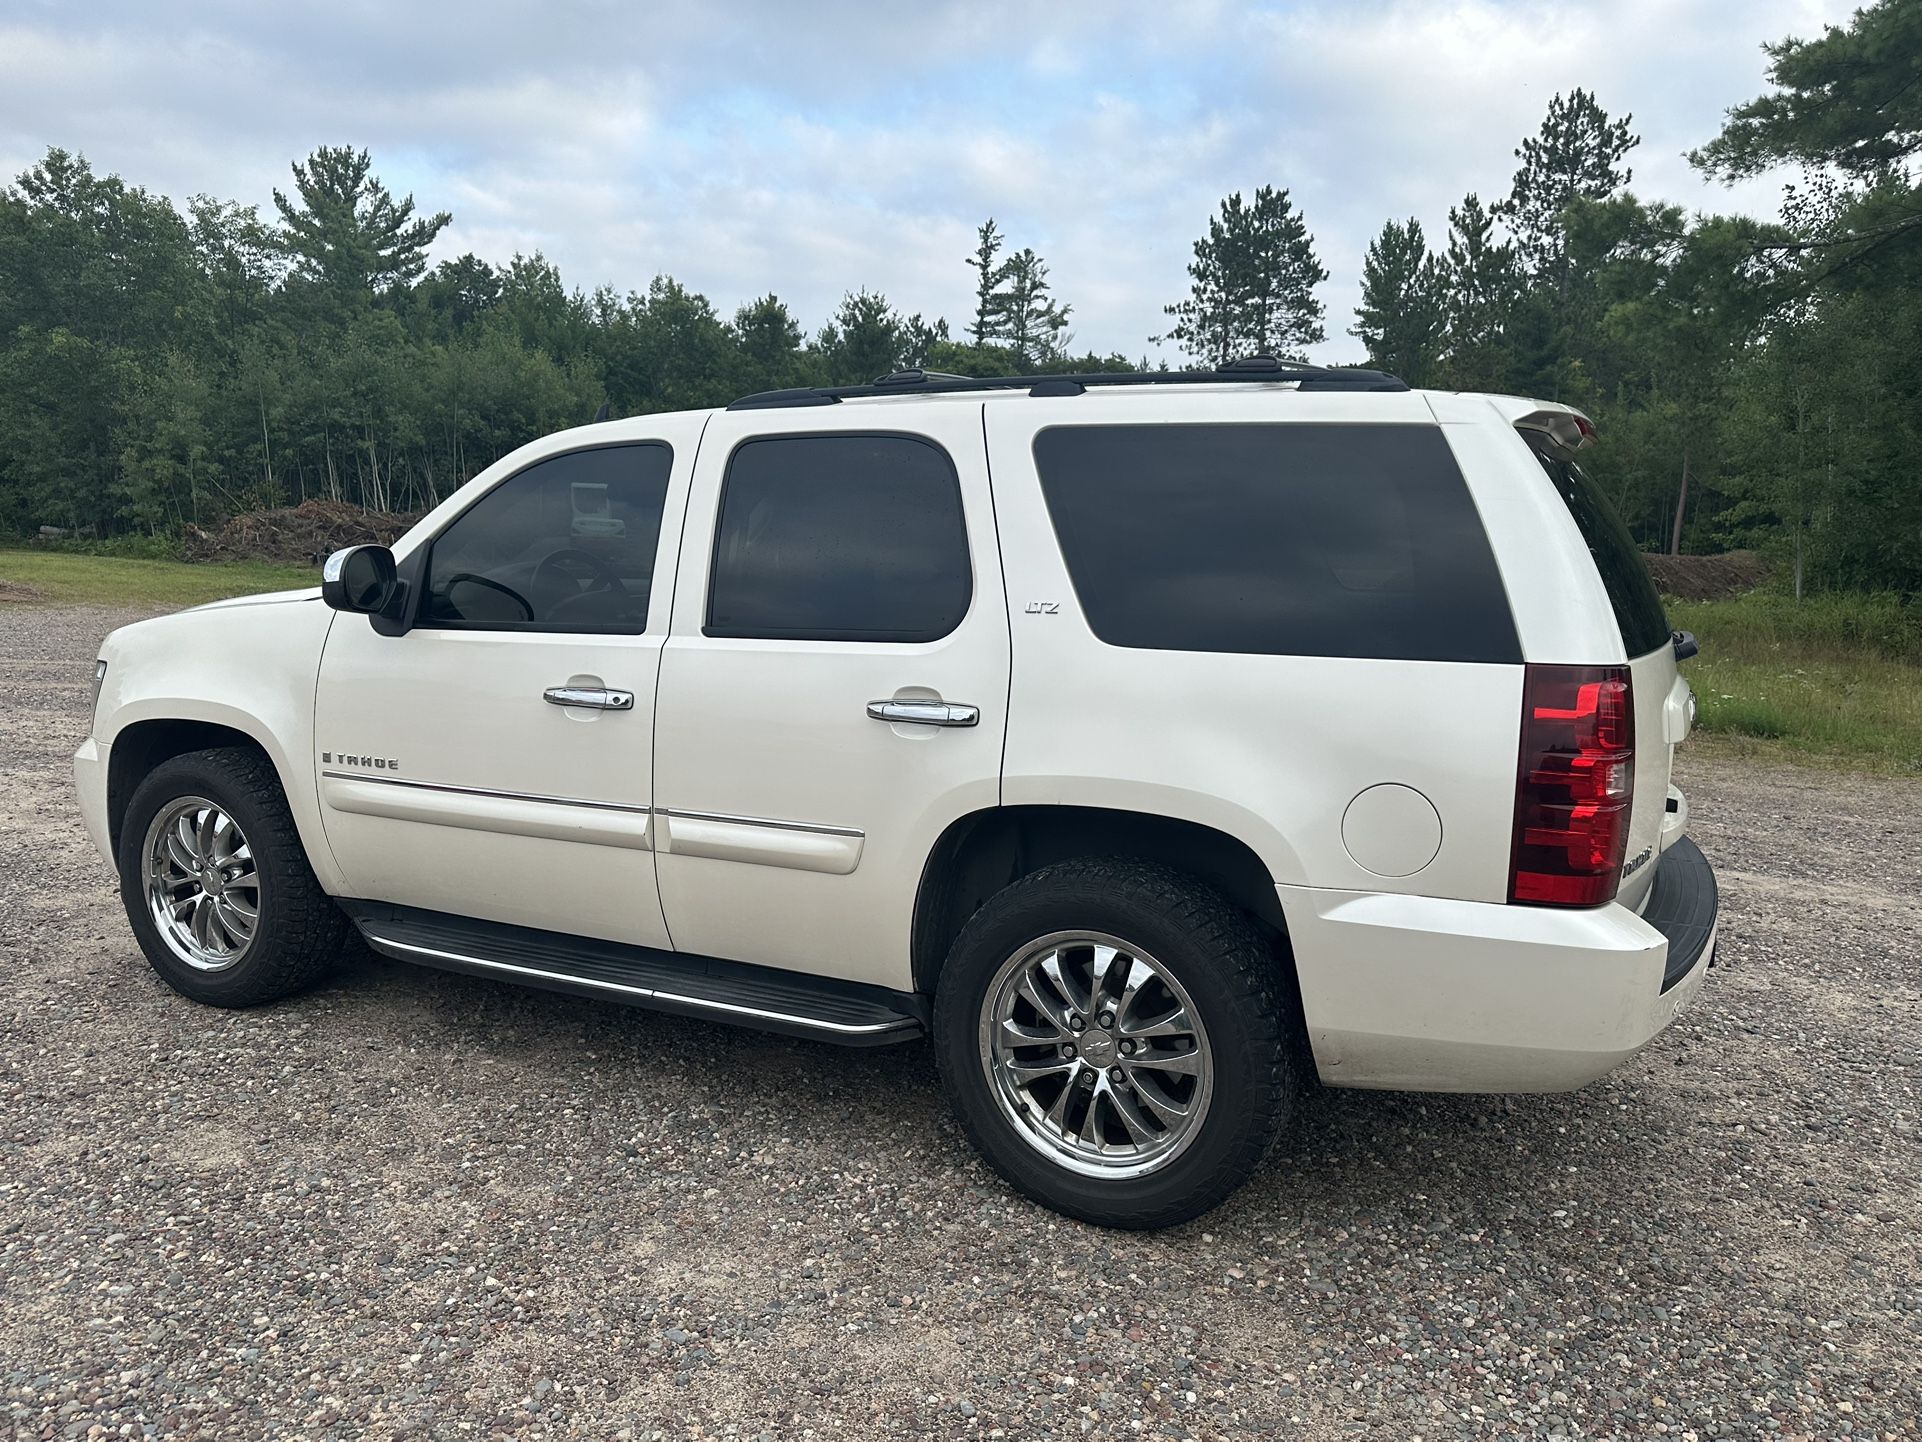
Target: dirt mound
{"type": "Point", "coordinates": [17, 591]}
{"type": "Point", "coordinates": [1707, 578]}
{"type": "Point", "coordinates": [300, 535]}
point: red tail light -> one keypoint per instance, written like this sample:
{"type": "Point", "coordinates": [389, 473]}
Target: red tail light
{"type": "Point", "coordinates": [1574, 785]}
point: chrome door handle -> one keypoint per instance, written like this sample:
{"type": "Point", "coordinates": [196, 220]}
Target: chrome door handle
{"type": "Point", "coordinates": [601, 698]}
{"type": "Point", "coordinates": [925, 713]}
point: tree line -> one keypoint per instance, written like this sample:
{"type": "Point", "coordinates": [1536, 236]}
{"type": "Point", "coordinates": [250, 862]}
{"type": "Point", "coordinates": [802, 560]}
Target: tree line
{"type": "Point", "coordinates": [1755, 383]}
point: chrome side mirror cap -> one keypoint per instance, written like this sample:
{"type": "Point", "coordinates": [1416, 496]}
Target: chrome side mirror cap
{"type": "Point", "coordinates": [362, 579]}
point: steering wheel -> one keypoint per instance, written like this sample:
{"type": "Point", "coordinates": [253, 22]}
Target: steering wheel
{"type": "Point", "coordinates": [572, 566]}
{"type": "Point", "coordinates": [468, 578]}
{"type": "Point", "coordinates": [590, 568]}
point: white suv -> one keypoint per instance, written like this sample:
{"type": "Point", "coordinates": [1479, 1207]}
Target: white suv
{"type": "Point", "coordinates": [1146, 740]}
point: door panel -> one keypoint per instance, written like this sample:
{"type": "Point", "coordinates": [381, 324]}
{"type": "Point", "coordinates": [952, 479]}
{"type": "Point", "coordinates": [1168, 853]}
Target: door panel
{"type": "Point", "coordinates": [448, 780]}
{"type": "Point", "coordinates": [792, 827]}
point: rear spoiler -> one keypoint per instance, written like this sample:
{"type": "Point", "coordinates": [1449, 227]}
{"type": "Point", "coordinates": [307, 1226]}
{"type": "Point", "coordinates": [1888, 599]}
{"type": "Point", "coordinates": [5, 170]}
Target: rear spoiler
{"type": "Point", "coordinates": [1564, 425]}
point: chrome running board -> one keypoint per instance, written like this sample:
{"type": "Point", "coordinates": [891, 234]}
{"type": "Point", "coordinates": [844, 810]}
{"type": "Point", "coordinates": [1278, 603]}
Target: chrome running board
{"type": "Point", "coordinates": [727, 991]}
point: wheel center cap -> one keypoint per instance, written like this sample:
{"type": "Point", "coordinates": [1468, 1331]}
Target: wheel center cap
{"type": "Point", "coordinates": [1097, 1047]}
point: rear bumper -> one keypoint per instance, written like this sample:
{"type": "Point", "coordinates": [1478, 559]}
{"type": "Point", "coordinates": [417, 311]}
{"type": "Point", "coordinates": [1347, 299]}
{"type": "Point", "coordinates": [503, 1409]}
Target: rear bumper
{"type": "Point", "coordinates": [1424, 994]}
{"type": "Point", "coordinates": [1683, 905]}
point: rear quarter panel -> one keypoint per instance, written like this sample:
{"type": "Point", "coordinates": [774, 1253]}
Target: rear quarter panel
{"type": "Point", "coordinates": [1269, 749]}
{"type": "Point", "coordinates": [1561, 607]}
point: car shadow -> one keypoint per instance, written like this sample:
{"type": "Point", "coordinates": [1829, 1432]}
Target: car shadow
{"type": "Point", "coordinates": [1482, 1157]}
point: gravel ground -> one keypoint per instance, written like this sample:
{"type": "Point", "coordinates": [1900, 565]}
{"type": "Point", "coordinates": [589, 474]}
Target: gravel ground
{"type": "Point", "coordinates": [418, 1204]}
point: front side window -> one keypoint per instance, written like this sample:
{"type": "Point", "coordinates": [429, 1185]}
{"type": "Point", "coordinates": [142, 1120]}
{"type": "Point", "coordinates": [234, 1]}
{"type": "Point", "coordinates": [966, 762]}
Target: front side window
{"type": "Point", "coordinates": [840, 538]}
{"type": "Point", "coordinates": [566, 545]}
{"type": "Point", "coordinates": [1297, 539]}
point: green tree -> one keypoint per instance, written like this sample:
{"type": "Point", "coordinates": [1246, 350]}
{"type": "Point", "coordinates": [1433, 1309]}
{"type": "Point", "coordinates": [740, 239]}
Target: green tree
{"type": "Point", "coordinates": [1402, 318]}
{"type": "Point", "coordinates": [345, 231]}
{"type": "Point", "coordinates": [456, 293]}
{"type": "Point", "coordinates": [991, 274]}
{"type": "Point", "coordinates": [1482, 287]}
{"type": "Point", "coordinates": [1577, 155]}
{"type": "Point", "coordinates": [1251, 284]}
{"type": "Point", "coordinates": [1013, 309]}
{"type": "Point", "coordinates": [866, 339]}
{"type": "Point", "coordinates": [769, 341]}
{"type": "Point", "coordinates": [1035, 329]}
{"type": "Point", "coordinates": [1851, 98]}
{"type": "Point", "coordinates": [1679, 320]}
{"type": "Point", "coordinates": [97, 279]}
{"type": "Point", "coordinates": [668, 350]}
{"type": "Point", "coordinates": [1844, 279]}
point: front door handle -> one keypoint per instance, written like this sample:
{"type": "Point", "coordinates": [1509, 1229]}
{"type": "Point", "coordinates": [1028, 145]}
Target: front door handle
{"type": "Point", "coordinates": [925, 713]}
{"type": "Point", "coordinates": [601, 698]}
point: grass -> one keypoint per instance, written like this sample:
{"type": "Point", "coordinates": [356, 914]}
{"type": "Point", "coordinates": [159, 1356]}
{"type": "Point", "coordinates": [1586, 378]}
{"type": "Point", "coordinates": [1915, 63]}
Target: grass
{"type": "Point", "coordinates": [1833, 680]}
{"type": "Point", "coordinates": [68, 578]}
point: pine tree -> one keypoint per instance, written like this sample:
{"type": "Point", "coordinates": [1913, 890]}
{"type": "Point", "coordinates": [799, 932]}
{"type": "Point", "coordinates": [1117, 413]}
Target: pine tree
{"type": "Point", "coordinates": [1402, 318]}
{"type": "Point", "coordinates": [866, 340]}
{"type": "Point", "coordinates": [1252, 284]}
{"type": "Point", "coordinates": [990, 313]}
{"type": "Point", "coordinates": [1036, 324]}
{"type": "Point", "coordinates": [1577, 155]}
{"type": "Point", "coordinates": [347, 231]}
{"type": "Point", "coordinates": [1479, 274]}
{"type": "Point", "coordinates": [769, 340]}
{"type": "Point", "coordinates": [1848, 98]}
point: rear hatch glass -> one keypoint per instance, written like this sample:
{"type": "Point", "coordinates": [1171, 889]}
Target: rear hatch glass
{"type": "Point", "coordinates": [1631, 590]}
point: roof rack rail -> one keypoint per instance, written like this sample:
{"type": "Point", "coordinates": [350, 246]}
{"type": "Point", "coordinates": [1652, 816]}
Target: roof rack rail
{"type": "Point", "coordinates": [922, 382]}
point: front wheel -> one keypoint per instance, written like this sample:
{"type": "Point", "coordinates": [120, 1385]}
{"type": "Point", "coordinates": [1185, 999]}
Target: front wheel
{"type": "Point", "coordinates": [217, 886]}
{"type": "Point", "coordinates": [1111, 1035]}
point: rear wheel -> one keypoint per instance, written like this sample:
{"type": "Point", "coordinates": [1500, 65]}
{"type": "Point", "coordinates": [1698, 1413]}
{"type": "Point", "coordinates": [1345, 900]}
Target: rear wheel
{"type": "Point", "coordinates": [1110, 1033]}
{"type": "Point", "coordinates": [216, 885]}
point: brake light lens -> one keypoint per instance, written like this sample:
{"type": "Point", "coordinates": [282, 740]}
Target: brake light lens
{"type": "Point", "coordinates": [1574, 785]}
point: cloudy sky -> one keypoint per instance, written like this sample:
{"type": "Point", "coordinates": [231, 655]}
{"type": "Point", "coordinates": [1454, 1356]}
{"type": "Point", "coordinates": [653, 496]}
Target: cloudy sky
{"type": "Point", "coordinates": [808, 149]}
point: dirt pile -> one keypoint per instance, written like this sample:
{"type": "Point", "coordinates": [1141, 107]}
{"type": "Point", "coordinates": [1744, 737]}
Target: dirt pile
{"type": "Point", "coordinates": [300, 535]}
{"type": "Point", "coordinates": [1707, 578]}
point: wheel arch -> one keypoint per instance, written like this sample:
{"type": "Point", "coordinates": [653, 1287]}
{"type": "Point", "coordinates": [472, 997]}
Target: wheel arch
{"type": "Point", "coordinates": [142, 745]}
{"type": "Point", "coordinates": [982, 852]}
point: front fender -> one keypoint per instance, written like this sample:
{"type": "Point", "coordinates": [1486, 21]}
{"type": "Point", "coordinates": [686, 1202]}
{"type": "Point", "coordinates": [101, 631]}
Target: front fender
{"type": "Point", "coordinates": [252, 669]}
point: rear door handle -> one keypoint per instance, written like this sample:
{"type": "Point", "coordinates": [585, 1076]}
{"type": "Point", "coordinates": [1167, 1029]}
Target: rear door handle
{"type": "Point", "coordinates": [601, 698]}
{"type": "Point", "coordinates": [925, 713]}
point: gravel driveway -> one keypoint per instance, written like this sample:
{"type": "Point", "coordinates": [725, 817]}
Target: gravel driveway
{"type": "Point", "coordinates": [419, 1204]}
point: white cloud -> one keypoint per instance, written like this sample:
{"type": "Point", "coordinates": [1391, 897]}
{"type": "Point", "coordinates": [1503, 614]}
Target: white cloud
{"type": "Point", "coordinates": [811, 150]}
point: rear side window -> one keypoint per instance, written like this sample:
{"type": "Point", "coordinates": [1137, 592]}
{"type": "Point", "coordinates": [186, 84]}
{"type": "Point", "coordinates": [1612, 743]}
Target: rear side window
{"type": "Point", "coordinates": [840, 538]}
{"type": "Point", "coordinates": [1631, 590]}
{"type": "Point", "coordinates": [1286, 540]}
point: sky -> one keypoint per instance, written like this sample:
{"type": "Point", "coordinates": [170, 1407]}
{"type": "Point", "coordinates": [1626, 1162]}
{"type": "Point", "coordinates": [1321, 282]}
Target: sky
{"type": "Point", "coordinates": [812, 149]}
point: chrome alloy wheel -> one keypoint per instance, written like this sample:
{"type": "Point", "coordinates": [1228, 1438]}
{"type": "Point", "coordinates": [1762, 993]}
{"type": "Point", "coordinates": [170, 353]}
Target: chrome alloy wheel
{"type": "Point", "coordinates": [1096, 1054]}
{"type": "Point", "coordinates": [202, 888]}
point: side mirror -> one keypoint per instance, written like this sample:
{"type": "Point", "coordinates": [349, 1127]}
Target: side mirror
{"type": "Point", "coordinates": [360, 578]}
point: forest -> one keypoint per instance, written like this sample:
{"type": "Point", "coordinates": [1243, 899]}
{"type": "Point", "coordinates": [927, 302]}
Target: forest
{"type": "Point", "coordinates": [1757, 384]}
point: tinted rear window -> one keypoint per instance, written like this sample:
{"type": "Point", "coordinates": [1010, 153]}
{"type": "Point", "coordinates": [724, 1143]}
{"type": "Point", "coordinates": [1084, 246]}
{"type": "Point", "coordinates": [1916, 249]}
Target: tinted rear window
{"type": "Point", "coordinates": [840, 538]}
{"type": "Point", "coordinates": [1294, 540]}
{"type": "Point", "coordinates": [1631, 590]}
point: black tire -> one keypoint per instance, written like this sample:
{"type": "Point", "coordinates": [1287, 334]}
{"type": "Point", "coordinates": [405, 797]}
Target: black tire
{"type": "Point", "coordinates": [1231, 975]}
{"type": "Point", "coordinates": [300, 930]}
